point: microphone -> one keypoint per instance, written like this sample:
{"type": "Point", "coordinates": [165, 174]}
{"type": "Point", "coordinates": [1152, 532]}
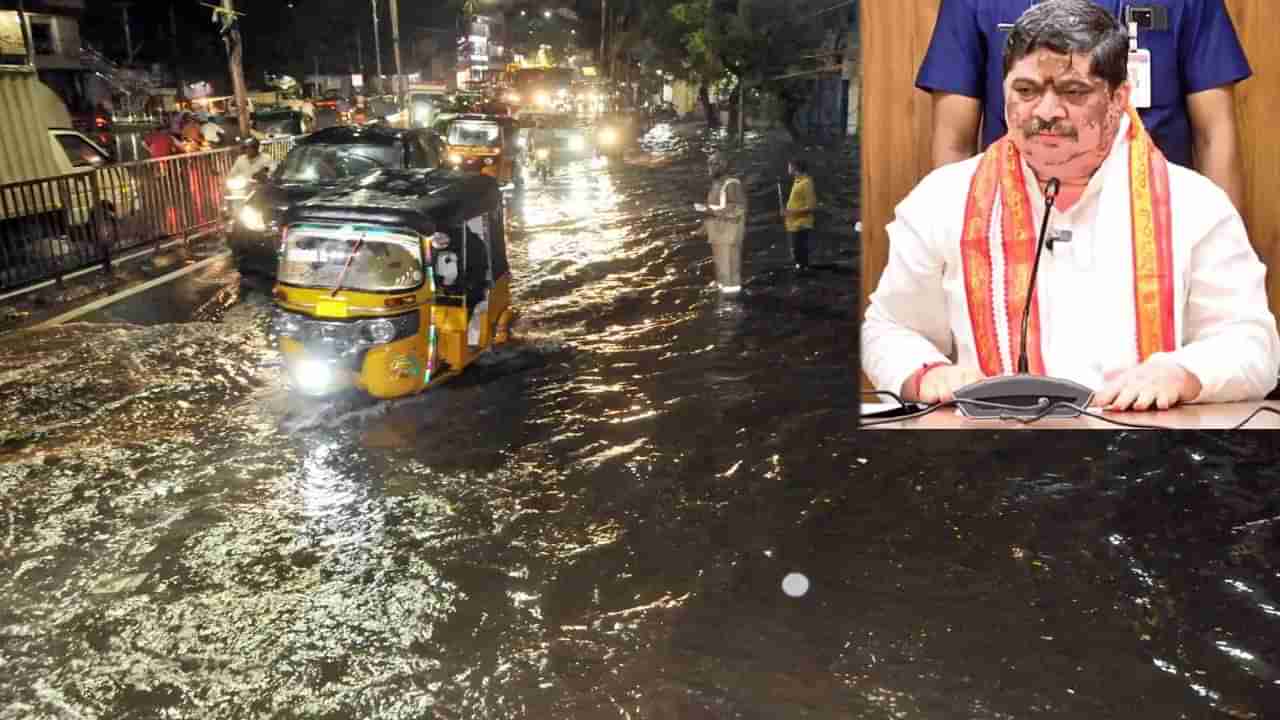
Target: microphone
{"type": "Point", "coordinates": [1050, 195]}
{"type": "Point", "coordinates": [1028, 395]}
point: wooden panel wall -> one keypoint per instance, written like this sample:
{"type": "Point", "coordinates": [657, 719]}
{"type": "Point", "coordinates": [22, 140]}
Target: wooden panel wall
{"type": "Point", "coordinates": [896, 125]}
{"type": "Point", "coordinates": [1257, 102]}
{"type": "Point", "coordinates": [896, 121]}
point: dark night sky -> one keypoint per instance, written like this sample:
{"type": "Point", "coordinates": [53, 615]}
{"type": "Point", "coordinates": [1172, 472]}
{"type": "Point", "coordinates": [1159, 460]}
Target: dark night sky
{"type": "Point", "coordinates": [277, 37]}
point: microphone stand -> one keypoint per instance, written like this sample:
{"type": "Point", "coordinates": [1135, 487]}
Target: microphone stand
{"type": "Point", "coordinates": [1026, 396]}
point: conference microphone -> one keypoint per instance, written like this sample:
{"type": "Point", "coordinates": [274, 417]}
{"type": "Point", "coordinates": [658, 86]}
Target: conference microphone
{"type": "Point", "coordinates": [1024, 395]}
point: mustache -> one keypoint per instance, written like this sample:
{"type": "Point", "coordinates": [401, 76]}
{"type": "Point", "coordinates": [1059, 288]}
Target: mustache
{"type": "Point", "coordinates": [1036, 126]}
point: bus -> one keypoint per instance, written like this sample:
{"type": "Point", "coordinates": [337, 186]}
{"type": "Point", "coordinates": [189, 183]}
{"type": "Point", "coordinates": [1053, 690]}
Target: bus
{"type": "Point", "coordinates": [543, 89]}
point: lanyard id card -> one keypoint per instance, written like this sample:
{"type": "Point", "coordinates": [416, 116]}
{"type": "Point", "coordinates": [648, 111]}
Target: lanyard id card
{"type": "Point", "coordinates": [1139, 70]}
{"type": "Point", "coordinates": [1140, 77]}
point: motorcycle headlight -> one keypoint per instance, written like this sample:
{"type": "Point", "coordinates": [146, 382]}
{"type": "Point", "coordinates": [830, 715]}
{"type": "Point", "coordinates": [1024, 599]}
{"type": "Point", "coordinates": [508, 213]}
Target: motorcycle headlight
{"type": "Point", "coordinates": [439, 241]}
{"type": "Point", "coordinates": [252, 219]}
{"type": "Point", "coordinates": [377, 331]}
{"type": "Point", "coordinates": [237, 183]}
{"type": "Point", "coordinates": [577, 144]}
{"type": "Point", "coordinates": [455, 158]}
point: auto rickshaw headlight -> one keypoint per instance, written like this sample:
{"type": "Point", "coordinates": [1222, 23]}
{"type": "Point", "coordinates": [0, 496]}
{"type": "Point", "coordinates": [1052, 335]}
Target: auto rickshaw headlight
{"type": "Point", "coordinates": [455, 158]}
{"type": "Point", "coordinates": [439, 241]}
{"type": "Point", "coordinates": [251, 218]}
{"type": "Point", "coordinates": [378, 331]}
{"type": "Point", "coordinates": [313, 376]}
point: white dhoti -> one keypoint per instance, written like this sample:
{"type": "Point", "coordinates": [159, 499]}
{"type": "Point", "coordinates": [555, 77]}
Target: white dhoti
{"type": "Point", "coordinates": [726, 251]}
{"type": "Point", "coordinates": [726, 234]}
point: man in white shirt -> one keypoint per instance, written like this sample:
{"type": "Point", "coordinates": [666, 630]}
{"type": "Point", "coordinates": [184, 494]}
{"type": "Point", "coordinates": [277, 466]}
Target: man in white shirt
{"type": "Point", "coordinates": [251, 162]}
{"type": "Point", "coordinates": [211, 132]}
{"type": "Point", "coordinates": [1151, 294]}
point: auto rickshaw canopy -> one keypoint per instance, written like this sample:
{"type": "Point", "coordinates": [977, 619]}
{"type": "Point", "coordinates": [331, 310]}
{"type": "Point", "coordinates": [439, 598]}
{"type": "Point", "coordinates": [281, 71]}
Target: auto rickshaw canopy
{"type": "Point", "coordinates": [425, 201]}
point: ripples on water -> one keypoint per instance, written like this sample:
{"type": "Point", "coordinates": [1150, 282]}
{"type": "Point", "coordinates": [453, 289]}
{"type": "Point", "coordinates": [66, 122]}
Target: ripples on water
{"type": "Point", "coordinates": [596, 521]}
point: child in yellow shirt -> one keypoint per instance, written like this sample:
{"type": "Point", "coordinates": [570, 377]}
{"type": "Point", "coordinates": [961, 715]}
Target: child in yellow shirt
{"type": "Point", "coordinates": [798, 216]}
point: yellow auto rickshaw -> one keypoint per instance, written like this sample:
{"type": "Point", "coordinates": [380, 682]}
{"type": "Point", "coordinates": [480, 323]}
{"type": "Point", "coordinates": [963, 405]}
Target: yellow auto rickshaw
{"type": "Point", "coordinates": [485, 144]}
{"type": "Point", "coordinates": [393, 283]}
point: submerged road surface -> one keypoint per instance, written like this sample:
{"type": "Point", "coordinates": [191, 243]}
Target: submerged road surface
{"type": "Point", "coordinates": [653, 504]}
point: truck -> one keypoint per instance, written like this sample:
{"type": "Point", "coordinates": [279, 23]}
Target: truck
{"type": "Point", "coordinates": [59, 190]}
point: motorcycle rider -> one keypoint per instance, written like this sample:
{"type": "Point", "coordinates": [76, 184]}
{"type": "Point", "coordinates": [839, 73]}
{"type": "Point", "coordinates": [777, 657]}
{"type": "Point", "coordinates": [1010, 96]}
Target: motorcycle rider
{"type": "Point", "coordinates": [540, 139]}
{"type": "Point", "coordinates": [252, 162]}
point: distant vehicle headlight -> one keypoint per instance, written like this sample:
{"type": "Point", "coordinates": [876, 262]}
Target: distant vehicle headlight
{"type": "Point", "coordinates": [237, 183]}
{"type": "Point", "coordinates": [608, 136]}
{"type": "Point", "coordinates": [513, 98]}
{"type": "Point", "coordinates": [543, 153]}
{"type": "Point", "coordinates": [252, 219]}
{"type": "Point", "coordinates": [577, 144]}
{"type": "Point", "coordinates": [522, 141]}
{"type": "Point", "coordinates": [378, 331]}
{"type": "Point", "coordinates": [542, 98]}
{"type": "Point", "coordinates": [488, 161]}
{"type": "Point", "coordinates": [455, 158]}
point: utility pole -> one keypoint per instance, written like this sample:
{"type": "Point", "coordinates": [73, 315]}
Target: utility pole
{"type": "Point", "coordinates": [360, 54]}
{"type": "Point", "coordinates": [128, 34]}
{"type": "Point", "coordinates": [235, 56]}
{"type": "Point", "coordinates": [173, 54]}
{"type": "Point", "coordinates": [604, 29]}
{"type": "Point", "coordinates": [377, 44]}
{"type": "Point", "coordinates": [27, 50]}
{"type": "Point", "coordinates": [395, 43]}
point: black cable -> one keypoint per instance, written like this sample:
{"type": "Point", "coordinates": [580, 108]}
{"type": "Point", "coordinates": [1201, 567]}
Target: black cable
{"type": "Point", "coordinates": [1043, 412]}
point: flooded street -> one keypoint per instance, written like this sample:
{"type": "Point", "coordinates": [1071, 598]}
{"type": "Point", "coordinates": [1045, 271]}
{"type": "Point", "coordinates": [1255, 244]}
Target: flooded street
{"type": "Point", "coordinates": [596, 521]}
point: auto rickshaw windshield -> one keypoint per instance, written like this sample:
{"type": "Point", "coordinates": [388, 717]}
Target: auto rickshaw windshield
{"type": "Point", "coordinates": [332, 163]}
{"type": "Point", "coordinates": [363, 259]}
{"type": "Point", "coordinates": [475, 133]}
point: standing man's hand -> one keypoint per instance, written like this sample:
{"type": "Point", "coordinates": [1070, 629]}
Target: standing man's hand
{"type": "Point", "coordinates": [1157, 383]}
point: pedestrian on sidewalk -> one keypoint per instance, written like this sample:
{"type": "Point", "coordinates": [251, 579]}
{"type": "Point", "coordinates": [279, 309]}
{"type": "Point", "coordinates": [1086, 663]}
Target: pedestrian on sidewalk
{"type": "Point", "coordinates": [726, 222]}
{"type": "Point", "coordinates": [798, 215]}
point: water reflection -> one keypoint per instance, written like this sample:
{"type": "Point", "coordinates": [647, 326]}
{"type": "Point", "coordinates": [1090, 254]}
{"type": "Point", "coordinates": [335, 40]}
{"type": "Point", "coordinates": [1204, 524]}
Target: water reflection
{"type": "Point", "coordinates": [608, 518]}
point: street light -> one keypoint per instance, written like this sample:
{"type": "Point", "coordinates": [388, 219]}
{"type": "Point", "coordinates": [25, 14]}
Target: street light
{"type": "Point", "coordinates": [547, 14]}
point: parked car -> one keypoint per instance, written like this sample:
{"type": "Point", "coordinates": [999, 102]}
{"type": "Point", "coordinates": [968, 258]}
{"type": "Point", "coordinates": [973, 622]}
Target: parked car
{"type": "Point", "coordinates": [323, 160]}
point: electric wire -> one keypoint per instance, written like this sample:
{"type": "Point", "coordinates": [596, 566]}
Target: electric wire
{"type": "Point", "coordinates": [1043, 412]}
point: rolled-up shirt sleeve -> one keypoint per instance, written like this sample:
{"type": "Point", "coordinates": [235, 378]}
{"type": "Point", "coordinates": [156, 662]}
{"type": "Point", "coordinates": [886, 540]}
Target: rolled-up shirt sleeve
{"type": "Point", "coordinates": [906, 324]}
{"type": "Point", "coordinates": [1230, 342]}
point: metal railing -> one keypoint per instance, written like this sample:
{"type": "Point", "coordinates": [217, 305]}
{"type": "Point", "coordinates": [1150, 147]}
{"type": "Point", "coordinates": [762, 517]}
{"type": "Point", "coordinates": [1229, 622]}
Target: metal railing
{"type": "Point", "coordinates": [53, 227]}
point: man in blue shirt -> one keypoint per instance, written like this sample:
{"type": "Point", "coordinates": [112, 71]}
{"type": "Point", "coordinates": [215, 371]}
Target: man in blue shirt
{"type": "Point", "coordinates": [1195, 61]}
